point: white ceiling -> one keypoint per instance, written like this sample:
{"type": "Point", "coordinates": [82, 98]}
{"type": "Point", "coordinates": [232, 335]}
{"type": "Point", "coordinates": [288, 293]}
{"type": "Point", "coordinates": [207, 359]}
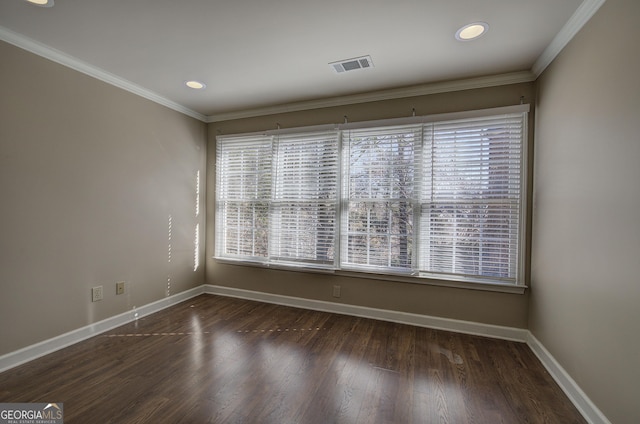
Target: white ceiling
{"type": "Point", "coordinates": [270, 55]}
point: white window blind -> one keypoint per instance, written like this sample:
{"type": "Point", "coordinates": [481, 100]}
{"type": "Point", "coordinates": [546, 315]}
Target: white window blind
{"type": "Point", "coordinates": [243, 194]}
{"type": "Point", "coordinates": [471, 197]}
{"type": "Point", "coordinates": [428, 197]}
{"type": "Point", "coordinates": [277, 198]}
{"type": "Point", "coordinates": [379, 194]}
{"type": "Point", "coordinates": [305, 200]}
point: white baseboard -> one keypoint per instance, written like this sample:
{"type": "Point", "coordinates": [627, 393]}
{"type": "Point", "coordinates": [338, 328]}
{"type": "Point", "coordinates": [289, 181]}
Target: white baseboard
{"type": "Point", "coordinates": [580, 400]}
{"type": "Point", "coordinates": [29, 353]}
{"type": "Point", "coordinates": [447, 324]}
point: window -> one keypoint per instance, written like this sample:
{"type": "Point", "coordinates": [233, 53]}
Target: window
{"type": "Point", "coordinates": [379, 197]}
{"type": "Point", "coordinates": [304, 205]}
{"type": "Point", "coordinates": [277, 198]}
{"type": "Point", "coordinates": [471, 200]}
{"type": "Point", "coordinates": [243, 196]}
{"type": "Point", "coordinates": [438, 197]}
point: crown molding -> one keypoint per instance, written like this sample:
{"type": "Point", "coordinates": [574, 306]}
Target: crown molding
{"type": "Point", "coordinates": [581, 16]}
{"type": "Point", "coordinates": [64, 59]}
{"type": "Point", "coordinates": [394, 93]}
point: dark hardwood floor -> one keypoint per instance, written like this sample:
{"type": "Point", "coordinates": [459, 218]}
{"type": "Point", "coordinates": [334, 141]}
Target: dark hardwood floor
{"type": "Point", "coordinates": [214, 359]}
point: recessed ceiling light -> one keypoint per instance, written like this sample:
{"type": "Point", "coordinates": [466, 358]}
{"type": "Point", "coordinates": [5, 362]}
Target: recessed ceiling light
{"type": "Point", "coordinates": [43, 3]}
{"type": "Point", "coordinates": [196, 85]}
{"type": "Point", "coordinates": [472, 31]}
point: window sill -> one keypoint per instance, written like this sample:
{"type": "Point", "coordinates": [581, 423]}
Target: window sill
{"type": "Point", "coordinates": [458, 284]}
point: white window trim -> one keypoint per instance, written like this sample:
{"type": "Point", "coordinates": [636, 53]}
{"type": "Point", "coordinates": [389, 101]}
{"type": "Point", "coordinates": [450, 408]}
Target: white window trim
{"type": "Point", "coordinates": [421, 278]}
{"type": "Point", "coordinates": [469, 284]}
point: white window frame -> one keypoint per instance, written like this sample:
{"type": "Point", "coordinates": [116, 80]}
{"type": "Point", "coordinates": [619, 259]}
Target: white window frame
{"type": "Point", "coordinates": [515, 285]}
{"type": "Point", "coordinates": [380, 134]}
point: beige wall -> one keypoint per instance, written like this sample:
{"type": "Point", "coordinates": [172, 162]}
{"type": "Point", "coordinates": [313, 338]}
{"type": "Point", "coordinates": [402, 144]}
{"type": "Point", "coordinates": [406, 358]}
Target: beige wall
{"type": "Point", "coordinates": [89, 175]}
{"type": "Point", "coordinates": [585, 295]}
{"type": "Point", "coordinates": [463, 304]}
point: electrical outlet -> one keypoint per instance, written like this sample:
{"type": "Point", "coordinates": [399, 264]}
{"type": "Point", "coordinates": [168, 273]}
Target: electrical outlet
{"type": "Point", "coordinates": [336, 291]}
{"type": "Point", "coordinates": [120, 287]}
{"type": "Point", "coordinates": [96, 293]}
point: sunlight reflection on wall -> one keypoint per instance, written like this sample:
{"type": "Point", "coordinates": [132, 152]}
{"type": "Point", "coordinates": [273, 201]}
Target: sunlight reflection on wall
{"type": "Point", "coordinates": [168, 292]}
{"type": "Point", "coordinates": [196, 240]}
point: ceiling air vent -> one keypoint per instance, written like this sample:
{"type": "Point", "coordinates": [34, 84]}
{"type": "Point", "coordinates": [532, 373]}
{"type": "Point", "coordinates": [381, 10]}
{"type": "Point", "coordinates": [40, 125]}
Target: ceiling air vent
{"type": "Point", "coordinates": [352, 64]}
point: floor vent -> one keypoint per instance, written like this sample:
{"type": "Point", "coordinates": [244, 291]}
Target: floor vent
{"type": "Point", "coordinates": [352, 64]}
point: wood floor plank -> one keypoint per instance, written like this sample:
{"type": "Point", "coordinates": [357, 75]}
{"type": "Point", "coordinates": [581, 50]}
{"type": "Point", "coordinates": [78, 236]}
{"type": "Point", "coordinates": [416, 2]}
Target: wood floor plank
{"type": "Point", "coordinates": [214, 359]}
